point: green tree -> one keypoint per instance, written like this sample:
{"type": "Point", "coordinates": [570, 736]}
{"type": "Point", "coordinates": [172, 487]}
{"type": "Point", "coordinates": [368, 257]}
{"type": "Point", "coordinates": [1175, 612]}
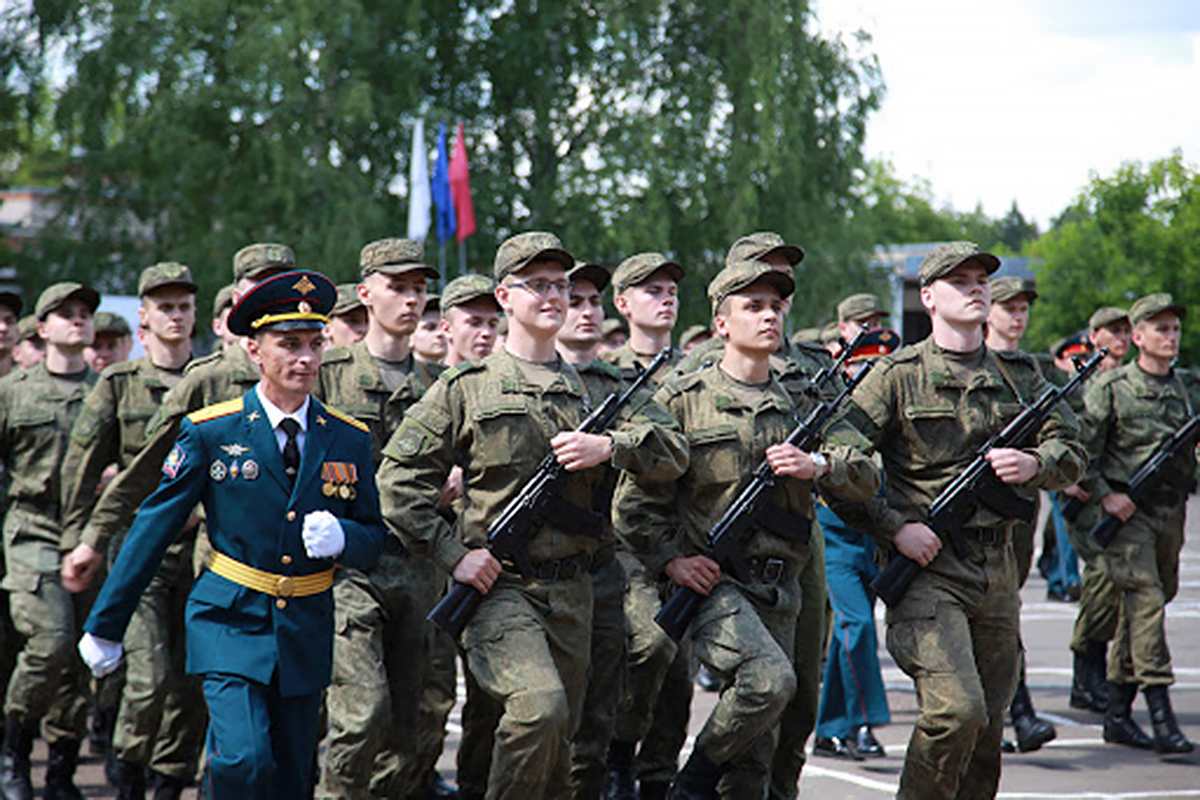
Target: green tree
{"type": "Point", "coordinates": [1125, 236]}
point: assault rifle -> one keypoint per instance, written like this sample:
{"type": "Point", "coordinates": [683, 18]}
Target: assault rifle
{"type": "Point", "coordinates": [751, 506]}
{"type": "Point", "coordinates": [978, 484]}
{"type": "Point", "coordinates": [507, 533]}
{"type": "Point", "coordinates": [1157, 470]}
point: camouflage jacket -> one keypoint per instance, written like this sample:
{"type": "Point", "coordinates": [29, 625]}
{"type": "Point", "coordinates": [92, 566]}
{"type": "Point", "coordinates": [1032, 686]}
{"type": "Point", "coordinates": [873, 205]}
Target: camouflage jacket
{"type": "Point", "coordinates": [795, 364]}
{"type": "Point", "coordinates": [111, 429]}
{"type": "Point", "coordinates": [727, 439]}
{"type": "Point", "coordinates": [1128, 413]}
{"type": "Point", "coordinates": [928, 426]}
{"type": "Point", "coordinates": [350, 381]}
{"type": "Point", "coordinates": [206, 381]}
{"type": "Point", "coordinates": [485, 416]}
{"type": "Point", "coordinates": [35, 424]}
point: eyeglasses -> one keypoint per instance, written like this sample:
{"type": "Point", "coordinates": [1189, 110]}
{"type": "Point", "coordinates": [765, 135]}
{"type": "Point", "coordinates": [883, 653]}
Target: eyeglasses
{"type": "Point", "coordinates": [543, 287]}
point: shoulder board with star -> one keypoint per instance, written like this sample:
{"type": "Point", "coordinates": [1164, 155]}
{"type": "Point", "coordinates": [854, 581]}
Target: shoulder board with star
{"type": "Point", "coordinates": [216, 411]}
{"type": "Point", "coordinates": [346, 418]}
{"type": "Point", "coordinates": [461, 368]}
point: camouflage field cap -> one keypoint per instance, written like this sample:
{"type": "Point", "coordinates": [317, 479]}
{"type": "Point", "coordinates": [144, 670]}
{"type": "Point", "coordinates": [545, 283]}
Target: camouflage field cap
{"type": "Point", "coordinates": [1077, 344]}
{"type": "Point", "coordinates": [518, 252]}
{"type": "Point", "coordinates": [433, 304]}
{"type": "Point", "coordinates": [394, 257]}
{"type": "Point", "coordinates": [1009, 287]}
{"type": "Point", "coordinates": [744, 274]}
{"type": "Point", "coordinates": [255, 260]}
{"type": "Point", "coordinates": [466, 288]}
{"type": "Point", "coordinates": [811, 335]}
{"type": "Point", "coordinates": [757, 246]}
{"type": "Point", "coordinates": [1106, 315]}
{"type": "Point", "coordinates": [27, 328]}
{"type": "Point", "coordinates": [945, 257]}
{"type": "Point", "coordinates": [110, 324]}
{"type": "Point", "coordinates": [165, 273]}
{"type": "Point", "coordinates": [693, 332]}
{"type": "Point", "coordinates": [223, 300]}
{"type": "Point", "coordinates": [59, 293]}
{"type": "Point", "coordinates": [1152, 305]}
{"type": "Point", "coordinates": [12, 301]}
{"type": "Point", "coordinates": [595, 273]}
{"type": "Point", "coordinates": [638, 268]}
{"type": "Point", "coordinates": [612, 325]}
{"type": "Point", "coordinates": [830, 333]}
{"type": "Point", "coordinates": [859, 307]}
{"type": "Point", "coordinates": [347, 299]}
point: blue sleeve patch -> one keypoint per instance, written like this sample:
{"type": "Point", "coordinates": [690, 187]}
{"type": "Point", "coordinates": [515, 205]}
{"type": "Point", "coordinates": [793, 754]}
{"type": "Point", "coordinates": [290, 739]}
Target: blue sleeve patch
{"type": "Point", "coordinates": [174, 462]}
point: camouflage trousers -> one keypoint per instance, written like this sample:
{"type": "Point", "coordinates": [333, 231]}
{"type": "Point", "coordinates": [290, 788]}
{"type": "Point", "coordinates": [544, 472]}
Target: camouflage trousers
{"type": "Point", "coordinates": [745, 634]}
{"type": "Point", "coordinates": [800, 716]}
{"type": "Point", "coordinates": [438, 695]}
{"type": "Point", "coordinates": [527, 647]}
{"type": "Point", "coordinates": [49, 681]}
{"type": "Point", "coordinates": [1096, 620]}
{"type": "Point", "coordinates": [1143, 563]}
{"type": "Point", "coordinates": [379, 657]}
{"type": "Point", "coordinates": [162, 717]}
{"type": "Point", "coordinates": [656, 703]}
{"type": "Point", "coordinates": [956, 634]}
{"type": "Point", "coordinates": [605, 680]}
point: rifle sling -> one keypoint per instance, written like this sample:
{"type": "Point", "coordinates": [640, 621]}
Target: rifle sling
{"type": "Point", "coordinates": [570, 518]}
{"type": "Point", "coordinates": [784, 524]}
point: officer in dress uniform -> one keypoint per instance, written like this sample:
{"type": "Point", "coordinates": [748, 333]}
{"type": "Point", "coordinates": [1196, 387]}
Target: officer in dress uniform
{"type": "Point", "coordinates": [289, 491]}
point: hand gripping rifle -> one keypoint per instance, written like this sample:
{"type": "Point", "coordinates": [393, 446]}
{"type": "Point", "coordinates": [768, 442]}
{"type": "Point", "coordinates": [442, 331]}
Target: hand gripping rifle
{"type": "Point", "coordinates": [1157, 470]}
{"type": "Point", "coordinates": [751, 507]}
{"type": "Point", "coordinates": [508, 531]}
{"type": "Point", "coordinates": [978, 484]}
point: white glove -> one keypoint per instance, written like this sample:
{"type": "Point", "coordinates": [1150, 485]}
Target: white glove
{"type": "Point", "coordinates": [101, 655]}
{"type": "Point", "coordinates": [323, 535]}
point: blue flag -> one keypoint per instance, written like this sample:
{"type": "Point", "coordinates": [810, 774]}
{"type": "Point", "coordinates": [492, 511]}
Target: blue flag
{"type": "Point", "coordinates": [447, 226]}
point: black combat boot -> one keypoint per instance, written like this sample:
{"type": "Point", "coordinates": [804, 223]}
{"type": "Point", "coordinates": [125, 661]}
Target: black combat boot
{"type": "Point", "coordinates": [1089, 687]}
{"type": "Point", "coordinates": [14, 761]}
{"type": "Point", "coordinates": [620, 781]}
{"type": "Point", "coordinates": [1032, 732]}
{"type": "Point", "coordinates": [1167, 736]}
{"type": "Point", "coordinates": [1119, 727]}
{"type": "Point", "coordinates": [697, 780]}
{"type": "Point", "coordinates": [60, 771]}
{"type": "Point", "coordinates": [130, 781]}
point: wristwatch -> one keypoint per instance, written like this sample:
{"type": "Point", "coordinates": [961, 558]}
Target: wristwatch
{"type": "Point", "coordinates": [821, 462]}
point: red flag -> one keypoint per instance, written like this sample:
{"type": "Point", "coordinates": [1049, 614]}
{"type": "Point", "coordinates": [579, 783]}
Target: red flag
{"type": "Point", "coordinates": [460, 187]}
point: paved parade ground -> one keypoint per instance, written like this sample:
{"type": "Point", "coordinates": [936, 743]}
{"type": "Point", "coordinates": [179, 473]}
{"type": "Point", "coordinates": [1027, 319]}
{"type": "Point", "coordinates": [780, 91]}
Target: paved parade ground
{"type": "Point", "coordinates": [1076, 766]}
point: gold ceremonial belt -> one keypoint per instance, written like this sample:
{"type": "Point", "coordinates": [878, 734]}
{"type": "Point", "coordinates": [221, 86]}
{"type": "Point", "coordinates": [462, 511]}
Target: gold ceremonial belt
{"type": "Point", "coordinates": [269, 582]}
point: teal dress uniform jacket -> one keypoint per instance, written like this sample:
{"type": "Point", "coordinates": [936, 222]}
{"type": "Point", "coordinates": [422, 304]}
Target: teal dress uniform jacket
{"type": "Point", "coordinates": [228, 457]}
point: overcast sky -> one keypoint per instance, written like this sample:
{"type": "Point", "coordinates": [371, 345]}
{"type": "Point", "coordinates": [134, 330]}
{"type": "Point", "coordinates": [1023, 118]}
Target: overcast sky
{"type": "Point", "coordinates": [1025, 99]}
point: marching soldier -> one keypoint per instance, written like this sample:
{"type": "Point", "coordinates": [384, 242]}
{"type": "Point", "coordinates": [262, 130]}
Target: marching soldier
{"type": "Point", "coordinates": [428, 340]}
{"type": "Point", "coordinates": [348, 320]}
{"type": "Point", "coordinates": [10, 314]}
{"type": "Point", "coordinates": [159, 725]}
{"type": "Point", "coordinates": [30, 349]}
{"type": "Point", "coordinates": [646, 293]}
{"type": "Point", "coordinates": [1130, 411]}
{"type": "Point", "coordinates": [112, 344]}
{"type": "Point", "coordinates": [379, 651]}
{"type": "Point", "coordinates": [735, 413]}
{"type": "Point", "coordinates": [927, 409]}
{"type": "Point", "coordinates": [288, 489]}
{"type": "Point", "coordinates": [527, 644]}
{"type": "Point", "coordinates": [38, 406]}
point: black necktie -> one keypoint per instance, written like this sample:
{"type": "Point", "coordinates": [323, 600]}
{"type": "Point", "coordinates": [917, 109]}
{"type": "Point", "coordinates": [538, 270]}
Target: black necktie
{"type": "Point", "coordinates": [291, 449]}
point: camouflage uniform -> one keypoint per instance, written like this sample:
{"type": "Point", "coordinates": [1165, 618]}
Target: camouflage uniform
{"type": "Point", "coordinates": [1128, 414]}
{"type": "Point", "coordinates": [529, 641]}
{"type": "Point", "coordinates": [928, 425]}
{"type": "Point", "coordinates": [745, 631]}
{"type": "Point", "coordinates": [49, 682]}
{"type": "Point", "coordinates": [380, 642]}
{"type": "Point", "coordinates": [161, 720]}
{"type": "Point", "coordinates": [796, 365]}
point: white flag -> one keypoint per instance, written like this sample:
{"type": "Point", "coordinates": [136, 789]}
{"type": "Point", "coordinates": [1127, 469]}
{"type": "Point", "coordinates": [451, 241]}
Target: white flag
{"type": "Point", "coordinates": [420, 204]}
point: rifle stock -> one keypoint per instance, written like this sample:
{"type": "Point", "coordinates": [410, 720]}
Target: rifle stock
{"type": "Point", "coordinates": [978, 484]}
{"type": "Point", "coordinates": [508, 531]}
